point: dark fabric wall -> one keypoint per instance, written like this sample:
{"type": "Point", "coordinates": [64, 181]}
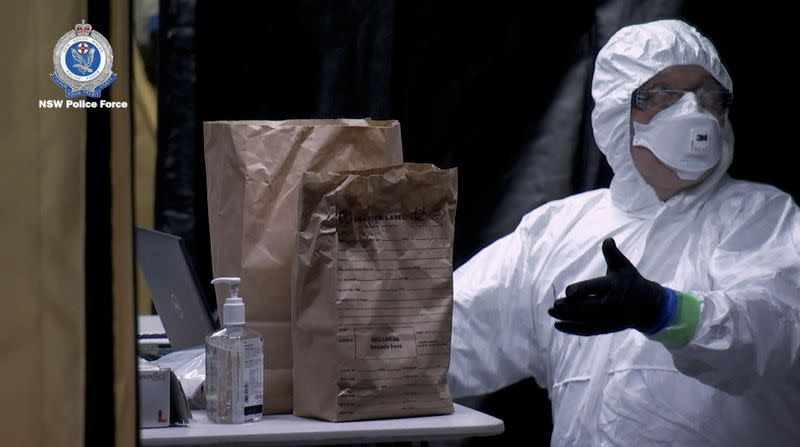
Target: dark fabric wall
{"type": "Point", "coordinates": [99, 406]}
{"type": "Point", "coordinates": [499, 90]}
{"type": "Point", "coordinates": [180, 198]}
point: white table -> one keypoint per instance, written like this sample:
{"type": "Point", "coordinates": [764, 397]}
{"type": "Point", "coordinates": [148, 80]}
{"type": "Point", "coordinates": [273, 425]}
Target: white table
{"type": "Point", "coordinates": [286, 429]}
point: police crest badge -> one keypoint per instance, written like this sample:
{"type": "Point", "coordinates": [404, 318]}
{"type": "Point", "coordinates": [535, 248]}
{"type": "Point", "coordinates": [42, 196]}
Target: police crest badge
{"type": "Point", "coordinates": [82, 62]}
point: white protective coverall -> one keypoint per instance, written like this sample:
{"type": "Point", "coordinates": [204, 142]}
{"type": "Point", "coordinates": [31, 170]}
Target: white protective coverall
{"type": "Point", "coordinates": [732, 244]}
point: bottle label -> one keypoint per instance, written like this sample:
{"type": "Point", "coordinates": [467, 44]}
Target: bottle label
{"type": "Point", "coordinates": [253, 380]}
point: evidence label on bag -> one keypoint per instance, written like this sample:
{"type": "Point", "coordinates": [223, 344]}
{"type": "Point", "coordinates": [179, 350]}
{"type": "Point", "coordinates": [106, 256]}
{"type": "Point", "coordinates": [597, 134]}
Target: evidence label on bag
{"type": "Point", "coordinates": [385, 343]}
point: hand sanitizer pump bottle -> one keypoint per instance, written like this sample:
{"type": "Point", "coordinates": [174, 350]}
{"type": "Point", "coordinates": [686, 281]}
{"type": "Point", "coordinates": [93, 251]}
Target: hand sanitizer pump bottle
{"type": "Point", "coordinates": [234, 385]}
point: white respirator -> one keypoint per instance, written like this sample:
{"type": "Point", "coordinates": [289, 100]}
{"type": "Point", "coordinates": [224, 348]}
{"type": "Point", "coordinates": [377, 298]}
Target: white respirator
{"type": "Point", "coordinates": [683, 136]}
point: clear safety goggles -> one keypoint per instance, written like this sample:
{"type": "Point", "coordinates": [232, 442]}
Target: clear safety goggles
{"type": "Point", "coordinates": [715, 100]}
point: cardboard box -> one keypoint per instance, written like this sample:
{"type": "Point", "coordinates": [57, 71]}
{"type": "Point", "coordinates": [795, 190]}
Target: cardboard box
{"type": "Point", "coordinates": [154, 396]}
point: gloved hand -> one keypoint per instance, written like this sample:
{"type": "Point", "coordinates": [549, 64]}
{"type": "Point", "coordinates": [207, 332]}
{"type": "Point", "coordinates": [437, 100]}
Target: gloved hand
{"type": "Point", "coordinates": [620, 300]}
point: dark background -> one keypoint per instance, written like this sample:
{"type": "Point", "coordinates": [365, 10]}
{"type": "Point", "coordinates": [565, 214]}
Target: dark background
{"type": "Point", "coordinates": [499, 90]}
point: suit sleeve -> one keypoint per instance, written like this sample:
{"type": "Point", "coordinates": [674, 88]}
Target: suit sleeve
{"type": "Point", "coordinates": [493, 341]}
{"type": "Point", "coordinates": [746, 330]}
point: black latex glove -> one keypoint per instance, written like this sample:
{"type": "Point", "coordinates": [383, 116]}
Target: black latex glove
{"type": "Point", "coordinates": [620, 300]}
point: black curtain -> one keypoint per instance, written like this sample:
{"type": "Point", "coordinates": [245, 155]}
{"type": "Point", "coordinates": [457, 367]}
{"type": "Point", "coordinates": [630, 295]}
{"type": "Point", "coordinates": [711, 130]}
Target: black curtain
{"type": "Point", "coordinates": [499, 90]}
{"type": "Point", "coordinates": [180, 199]}
{"type": "Point", "coordinates": [99, 420]}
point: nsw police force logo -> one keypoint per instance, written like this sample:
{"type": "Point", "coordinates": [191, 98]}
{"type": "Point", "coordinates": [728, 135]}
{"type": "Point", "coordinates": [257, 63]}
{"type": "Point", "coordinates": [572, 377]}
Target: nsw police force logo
{"type": "Point", "coordinates": [82, 62]}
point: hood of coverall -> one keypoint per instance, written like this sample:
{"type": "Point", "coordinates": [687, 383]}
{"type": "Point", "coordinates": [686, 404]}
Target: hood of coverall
{"type": "Point", "coordinates": [632, 56]}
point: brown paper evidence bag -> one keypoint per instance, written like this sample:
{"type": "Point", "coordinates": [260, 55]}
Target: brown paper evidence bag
{"type": "Point", "coordinates": [373, 275]}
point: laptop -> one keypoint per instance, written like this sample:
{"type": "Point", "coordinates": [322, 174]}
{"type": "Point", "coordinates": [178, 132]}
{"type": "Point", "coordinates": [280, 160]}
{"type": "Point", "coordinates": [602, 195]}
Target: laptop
{"type": "Point", "coordinates": [174, 289]}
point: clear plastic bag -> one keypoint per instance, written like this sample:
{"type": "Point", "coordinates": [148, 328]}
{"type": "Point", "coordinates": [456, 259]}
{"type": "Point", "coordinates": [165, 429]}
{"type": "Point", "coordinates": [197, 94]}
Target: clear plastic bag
{"type": "Point", "coordinates": [189, 365]}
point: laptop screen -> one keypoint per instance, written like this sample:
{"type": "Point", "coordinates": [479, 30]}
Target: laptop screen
{"type": "Point", "coordinates": [174, 288]}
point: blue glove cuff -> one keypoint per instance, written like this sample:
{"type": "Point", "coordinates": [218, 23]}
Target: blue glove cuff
{"type": "Point", "coordinates": [668, 307]}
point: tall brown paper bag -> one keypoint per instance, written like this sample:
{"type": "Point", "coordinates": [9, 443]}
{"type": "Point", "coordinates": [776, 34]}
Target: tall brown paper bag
{"type": "Point", "coordinates": [372, 295]}
{"type": "Point", "coordinates": [253, 169]}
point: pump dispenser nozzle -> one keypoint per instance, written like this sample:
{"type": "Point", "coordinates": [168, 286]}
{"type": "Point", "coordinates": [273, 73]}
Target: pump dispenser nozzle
{"type": "Point", "coordinates": [233, 310]}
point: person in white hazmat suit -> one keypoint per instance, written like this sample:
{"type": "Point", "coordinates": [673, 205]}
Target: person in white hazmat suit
{"type": "Point", "coordinates": [679, 317]}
